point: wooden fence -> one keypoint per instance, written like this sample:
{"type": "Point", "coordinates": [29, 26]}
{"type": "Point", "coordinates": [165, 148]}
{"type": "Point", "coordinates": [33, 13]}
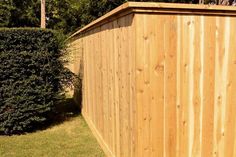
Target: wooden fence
{"type": "Point", "coordinates": [160, 80]}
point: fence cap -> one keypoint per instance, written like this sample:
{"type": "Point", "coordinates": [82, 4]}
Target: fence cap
{"type": "Point", "coordinates": [168, 8]}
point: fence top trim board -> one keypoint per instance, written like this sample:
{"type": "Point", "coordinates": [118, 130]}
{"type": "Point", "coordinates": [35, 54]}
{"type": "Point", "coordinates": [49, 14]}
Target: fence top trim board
{"type": "Point", "coordinates": [167, 8]}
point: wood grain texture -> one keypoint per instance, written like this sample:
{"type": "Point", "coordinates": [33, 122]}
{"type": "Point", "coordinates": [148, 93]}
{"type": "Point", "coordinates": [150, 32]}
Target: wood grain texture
{"type": "Point", "coordinates": [160, 84]}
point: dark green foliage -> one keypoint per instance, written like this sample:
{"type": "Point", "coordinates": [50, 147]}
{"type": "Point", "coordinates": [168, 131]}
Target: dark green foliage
{"type": "Point", "coordinates": [63, 15]}
{"type": "Point", "coordinates": [32, 78]}
{"type": "Point", "coordinates": [90, 10]}
{"type": "Point", "coordinates": [5, 12]}
{"type": "Point", "coordinates": [24, 13]}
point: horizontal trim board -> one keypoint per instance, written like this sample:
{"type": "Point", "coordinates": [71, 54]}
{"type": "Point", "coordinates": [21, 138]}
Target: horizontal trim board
{"type": "Point", "coordinates": [168, 8]}
{"type": "Point", "coordinates": [185, 12]}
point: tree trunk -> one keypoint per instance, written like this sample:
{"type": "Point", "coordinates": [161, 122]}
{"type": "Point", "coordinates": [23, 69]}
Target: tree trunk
{"type": "Point", "coordinates": [43, 14]}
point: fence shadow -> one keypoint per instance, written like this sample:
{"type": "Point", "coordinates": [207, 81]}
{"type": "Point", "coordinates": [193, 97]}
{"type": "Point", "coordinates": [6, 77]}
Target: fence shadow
{"type": "Point", "coordinates": [70, 107]}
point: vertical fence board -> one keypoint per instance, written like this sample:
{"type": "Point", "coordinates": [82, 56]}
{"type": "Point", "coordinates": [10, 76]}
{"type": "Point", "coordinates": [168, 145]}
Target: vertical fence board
{"type": "Point", "coordinates": [170, 49]}
{"type": "Point", "coordinates": [208, 101]}
{"type": "Point", "coordinates": [116, 40]}
{"type": "Point", "coordinates": [195, 152]}
{"type": "Point", "coordinates": [156, 87]}
{"type": "Point", "coordinates": [231, 103]}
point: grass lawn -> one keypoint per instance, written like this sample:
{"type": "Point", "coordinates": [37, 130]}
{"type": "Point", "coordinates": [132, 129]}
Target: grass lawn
{"type": "Point", "coordinates": [72, 138]}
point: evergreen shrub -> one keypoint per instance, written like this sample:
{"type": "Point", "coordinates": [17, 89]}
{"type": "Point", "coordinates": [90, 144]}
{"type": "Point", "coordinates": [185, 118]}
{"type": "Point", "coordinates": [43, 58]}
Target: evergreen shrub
{"type": "Point", "coordinates": [32, 78]}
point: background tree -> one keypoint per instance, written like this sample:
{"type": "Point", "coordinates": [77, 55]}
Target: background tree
{"type": "Point", "coordinates": [24, 13]}
{"type": "Point", "coordinates": [63, 15]}
{"type": "Point", "coordinates": [90, 10]}
{"type": "Point", "coordinates": [5, 12]}
{"type": "Point", "coordinates": [60, 14]}
{"type": "Point", "coordinates": [68, 15]}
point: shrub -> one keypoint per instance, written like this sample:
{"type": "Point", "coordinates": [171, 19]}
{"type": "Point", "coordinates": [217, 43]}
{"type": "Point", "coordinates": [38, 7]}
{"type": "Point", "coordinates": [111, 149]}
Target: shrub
{"type": "Point", "coordinates": [32, 78]}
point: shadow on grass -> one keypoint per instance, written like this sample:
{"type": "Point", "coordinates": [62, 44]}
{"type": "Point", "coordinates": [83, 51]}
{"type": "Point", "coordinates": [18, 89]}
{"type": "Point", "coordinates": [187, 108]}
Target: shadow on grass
{"type": "Point", "coordinates": [65, 111]}
{"type": "Point", "coordinates": [69, 108]}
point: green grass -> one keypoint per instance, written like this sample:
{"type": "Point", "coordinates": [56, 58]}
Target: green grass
{"type": "Point", "coordinates": [72, 138]}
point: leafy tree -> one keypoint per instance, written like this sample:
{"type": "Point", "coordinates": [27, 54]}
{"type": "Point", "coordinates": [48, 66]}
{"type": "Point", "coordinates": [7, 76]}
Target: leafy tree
{"type": "Point", "coordinates": [24, 13]}
{"type": "Point", "coordinates": [61, 14]}
{"type": "Point", "coordinates": [90, 10]}
{"type": "Point", "coordinates": [5, 12]}
{"type": "Point", "coordinates": [68, 15]}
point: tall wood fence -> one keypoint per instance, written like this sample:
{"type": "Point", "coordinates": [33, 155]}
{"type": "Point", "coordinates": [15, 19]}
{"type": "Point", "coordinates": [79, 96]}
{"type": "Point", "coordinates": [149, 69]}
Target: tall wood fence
{"type": "Point", "coordinates": [160, 80]}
